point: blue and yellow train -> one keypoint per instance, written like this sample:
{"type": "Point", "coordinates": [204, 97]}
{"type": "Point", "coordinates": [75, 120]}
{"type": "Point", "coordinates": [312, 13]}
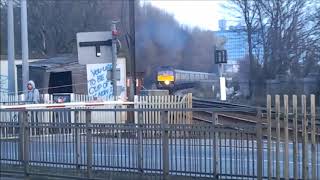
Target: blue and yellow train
{"type": "Point", "coordinates": [175, 79]}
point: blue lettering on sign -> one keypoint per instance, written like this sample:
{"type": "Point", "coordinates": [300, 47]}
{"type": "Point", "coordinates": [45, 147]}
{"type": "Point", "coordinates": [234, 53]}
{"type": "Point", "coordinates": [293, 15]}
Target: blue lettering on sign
{"type": "Point", "coordinates": [101, 69]}
{"type": "Point", "coordinates": [100, 78]}
{"type": "Point", "coordinates": [98, 85]}
{"type": "Point", "coordinates": [92, 82]}
{"type": "Point", "coordinates": [92, 90]}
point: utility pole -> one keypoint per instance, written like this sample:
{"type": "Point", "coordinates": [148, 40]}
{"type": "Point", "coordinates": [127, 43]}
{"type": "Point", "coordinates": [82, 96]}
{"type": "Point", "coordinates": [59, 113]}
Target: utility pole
{"type": "Point", "coordinates": [24, 42]}
{"type": "Point", "coordinates": [132, 49]}
{"type": "Point", "coordinates": [11, 58]}
{"type": "Point", "coordinates": [114, 59]}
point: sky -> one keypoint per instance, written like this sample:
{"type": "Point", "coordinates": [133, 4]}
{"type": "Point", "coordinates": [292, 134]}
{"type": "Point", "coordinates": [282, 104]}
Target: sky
{"type": "Point", "coordinates": [196, 13]}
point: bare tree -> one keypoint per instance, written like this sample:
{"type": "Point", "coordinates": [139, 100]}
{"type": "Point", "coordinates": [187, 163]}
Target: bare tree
{"type": "Point", "coordinates": [284, 33]}
{"type": "Point", "coordinates": [54, 24]}
{"type": "Point", "coordinates": [160, 39]}
{"type": "Point", "coordinates": [249, 12]}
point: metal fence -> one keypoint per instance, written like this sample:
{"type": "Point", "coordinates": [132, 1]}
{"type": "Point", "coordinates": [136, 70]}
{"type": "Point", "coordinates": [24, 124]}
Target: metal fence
{"type": "Point", "coordinates": [90, 150]}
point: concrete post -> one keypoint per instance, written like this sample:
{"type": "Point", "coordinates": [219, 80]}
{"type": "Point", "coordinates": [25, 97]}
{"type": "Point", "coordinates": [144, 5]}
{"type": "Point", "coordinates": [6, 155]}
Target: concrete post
{"type": "Point", "coordinates": [11, 59]}
{"type": "Point", "coordinates": [24, 44]}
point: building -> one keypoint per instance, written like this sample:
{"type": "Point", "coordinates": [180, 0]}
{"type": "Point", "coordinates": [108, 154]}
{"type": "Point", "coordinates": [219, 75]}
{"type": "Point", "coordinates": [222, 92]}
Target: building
{"type": "Point", "coordinates": [63, 74]}
{"type": "Point", "coordinates": [56, 75]}
{"type": "Point", "coordinates": [4, 72]}
{"type": "Point", "coordinates": [236, 45]}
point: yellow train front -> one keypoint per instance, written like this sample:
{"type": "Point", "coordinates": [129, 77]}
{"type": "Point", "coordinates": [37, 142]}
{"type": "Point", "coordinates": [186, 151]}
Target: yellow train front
{"type": "Point", "coordinates": [165, 78]}
{"type": "Point", "coordinates": [175, 79]}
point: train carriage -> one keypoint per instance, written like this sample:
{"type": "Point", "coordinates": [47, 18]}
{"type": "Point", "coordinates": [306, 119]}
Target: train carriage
{"type": "Point", "coordinates": [174, 79]}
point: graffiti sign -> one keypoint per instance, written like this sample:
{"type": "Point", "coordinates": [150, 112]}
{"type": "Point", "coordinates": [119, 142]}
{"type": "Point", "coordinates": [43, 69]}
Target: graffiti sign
{"type": "Point", "coordinates": [3, 83]}
{"type": "Point", "coordinates": [98, 84]}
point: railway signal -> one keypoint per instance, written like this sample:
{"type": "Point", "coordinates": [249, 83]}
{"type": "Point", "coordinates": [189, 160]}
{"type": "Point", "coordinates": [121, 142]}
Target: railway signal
{"type": "Point", "coordinates": [220, 58]}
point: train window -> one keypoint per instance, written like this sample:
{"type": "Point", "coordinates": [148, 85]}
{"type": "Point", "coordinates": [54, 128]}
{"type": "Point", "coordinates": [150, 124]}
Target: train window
{"type": "Point", "coordinates": [178, 76]}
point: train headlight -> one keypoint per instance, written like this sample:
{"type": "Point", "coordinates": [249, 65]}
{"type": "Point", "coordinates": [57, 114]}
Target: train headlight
{"type": "Point", "coordinates": [166, 82]}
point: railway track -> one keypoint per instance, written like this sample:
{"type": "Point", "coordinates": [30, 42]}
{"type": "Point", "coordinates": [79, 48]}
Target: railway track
{"type": "Point", "coordinates": [239, 114]}
{"type": "Point", "coordinates": [203, 103]}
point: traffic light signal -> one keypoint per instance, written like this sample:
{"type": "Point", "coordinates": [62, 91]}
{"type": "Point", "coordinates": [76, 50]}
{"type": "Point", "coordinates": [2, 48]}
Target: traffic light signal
{"type": "Point", "coordinates": [220, 56]}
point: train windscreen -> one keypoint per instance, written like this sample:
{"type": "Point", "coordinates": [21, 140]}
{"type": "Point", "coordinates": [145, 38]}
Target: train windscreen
{"type": "Point", "coordinates": [165, 75]}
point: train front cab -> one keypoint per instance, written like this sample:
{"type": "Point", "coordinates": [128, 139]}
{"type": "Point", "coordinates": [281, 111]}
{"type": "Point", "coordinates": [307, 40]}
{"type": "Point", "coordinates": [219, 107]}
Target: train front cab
{"type": "Point", "coordinates": [165, 78]}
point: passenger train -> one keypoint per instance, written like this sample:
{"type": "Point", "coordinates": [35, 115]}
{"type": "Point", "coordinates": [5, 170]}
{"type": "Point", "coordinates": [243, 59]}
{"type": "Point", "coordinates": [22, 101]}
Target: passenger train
{"type": "Point", "coordinates": [174, 79]}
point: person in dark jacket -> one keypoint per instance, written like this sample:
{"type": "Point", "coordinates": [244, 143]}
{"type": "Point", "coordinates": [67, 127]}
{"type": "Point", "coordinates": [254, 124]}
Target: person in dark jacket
{"type": "Point", "coordinates": [33, 95]}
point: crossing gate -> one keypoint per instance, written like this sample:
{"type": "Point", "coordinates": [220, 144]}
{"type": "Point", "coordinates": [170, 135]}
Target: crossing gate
{"type": "Point", "coordinates": [144, 102]}
{"type": "Point", "coordinates": [164, 102]}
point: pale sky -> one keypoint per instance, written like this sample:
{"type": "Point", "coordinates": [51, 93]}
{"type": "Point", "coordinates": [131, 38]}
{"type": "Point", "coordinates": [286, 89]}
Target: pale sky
{"type": "Point", "coordinates": [202, 13]}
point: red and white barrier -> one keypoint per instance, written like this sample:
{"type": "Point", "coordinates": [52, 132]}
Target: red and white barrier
{"type": "Point", "coordinates": [64, 105]}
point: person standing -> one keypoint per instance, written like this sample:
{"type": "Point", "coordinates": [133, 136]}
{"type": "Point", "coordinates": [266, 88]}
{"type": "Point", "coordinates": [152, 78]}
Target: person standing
{"type": "Point", "coordinates": [33, 95]}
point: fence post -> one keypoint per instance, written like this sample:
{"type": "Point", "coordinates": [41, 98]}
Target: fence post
{"type": "Point", "coordinates": [295, 136]}
{"type": "Point", "coordinates": [259, 147]}
{"type": "Point", "coordinates": [77, 139]}
{"type": "Point", "coordinates": [269, 136]}
{"type": "Point", "coordinates": [215, 146]}
{"type": "Point", "coordinates": [286, 138]}
{"type": "Point", "coordinates": [24, 141]}
{"type": "Point", "coordinates": [21, 135]}
{"type": "Point", "coordinates": [165, 144]}
{"type": "Point", "coordinates": [190, 106]}
{"type": "Point", "coordinates": [140, 136]}
{"type": "Point", "coordinates": [278, 113]}
{"type": "Point", "coordinates": [89, 144]}
{"type": "Point", "coordinates": [305, 163]}
{"type": "Point", "coordinates": [313, 137]}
